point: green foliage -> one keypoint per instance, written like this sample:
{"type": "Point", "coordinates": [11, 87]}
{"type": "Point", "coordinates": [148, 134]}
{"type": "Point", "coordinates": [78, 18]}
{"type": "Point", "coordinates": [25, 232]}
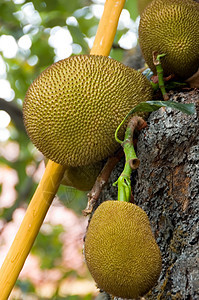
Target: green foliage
{"type": "Point", "coordinates": [48, 246]}
{"type": "Point", "coordinates": [131, 6]}
{"type": "Point", "coordinates": [25, 286]}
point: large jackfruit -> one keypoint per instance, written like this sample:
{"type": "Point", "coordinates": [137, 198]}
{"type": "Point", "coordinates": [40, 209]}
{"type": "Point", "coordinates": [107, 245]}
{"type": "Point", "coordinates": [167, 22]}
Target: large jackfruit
{"type": "Point", "coordinates": [171, 27]}
{"type": "Point", "coordinates": [71, 111]}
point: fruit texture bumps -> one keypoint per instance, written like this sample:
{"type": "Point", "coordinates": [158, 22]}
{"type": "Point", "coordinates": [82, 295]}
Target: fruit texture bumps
{"type": "Point", "coordinates": [120, 250]}
{"type": "Point", "coordinates": [142, 4]}
{"type": "Point", "coordinates": [71, 111]}
{"type": "Point", "coordinates": [171, 27]}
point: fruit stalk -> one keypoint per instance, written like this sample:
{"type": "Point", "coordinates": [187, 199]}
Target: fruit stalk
{"type": "Point", "coordinates": [156, 60]}
{"type": "Point", "coordinates": [51, 179]}
{"type": "Point", "coordinates": [131, 160]}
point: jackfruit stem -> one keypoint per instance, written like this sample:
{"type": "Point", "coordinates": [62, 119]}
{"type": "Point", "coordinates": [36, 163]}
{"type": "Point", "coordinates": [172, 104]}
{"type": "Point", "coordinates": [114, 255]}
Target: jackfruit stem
{"type": "Point", "coordinates": [131, 160]}
{"type": "Point", "coordinates": [156, 61]}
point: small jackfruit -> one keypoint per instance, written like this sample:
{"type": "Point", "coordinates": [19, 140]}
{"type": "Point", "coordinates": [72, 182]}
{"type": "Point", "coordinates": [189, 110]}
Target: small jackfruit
{"type": "Point", "coordinates": [171, 27]}
{"type": "Point", "coordinates": [120, 250]}
{"type": "Point", "coordinates": [82, 178]}
{"type": "Point", "coordinates": [71, 111]}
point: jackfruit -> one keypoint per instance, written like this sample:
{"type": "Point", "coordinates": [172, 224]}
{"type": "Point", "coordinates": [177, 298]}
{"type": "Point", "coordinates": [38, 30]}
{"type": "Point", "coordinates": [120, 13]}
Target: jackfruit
{"type": "Point", "coordinates": [120, 250]}
{"type": "Point", "coordinates": [71, 111]}
{"type": "Point", "coordinates": [82, 178]}
{"type": "Point", "coordinates": [142, 4]}
{"type": "Point", "coordinates": [171, 27]}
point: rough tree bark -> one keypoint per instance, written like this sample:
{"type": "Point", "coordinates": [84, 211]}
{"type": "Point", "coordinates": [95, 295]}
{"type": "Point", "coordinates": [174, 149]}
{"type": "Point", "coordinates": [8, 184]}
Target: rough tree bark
{"type": "Point", "coordinates": [166, 186]}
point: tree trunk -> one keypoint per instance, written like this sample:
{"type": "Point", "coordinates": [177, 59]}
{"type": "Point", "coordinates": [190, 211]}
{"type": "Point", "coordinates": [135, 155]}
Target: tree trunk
{"type": "Point", "coordinates": [166, 186]}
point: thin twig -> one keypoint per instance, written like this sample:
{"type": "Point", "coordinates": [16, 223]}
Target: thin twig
{"type": "Point", "coordinates": [102, 180]}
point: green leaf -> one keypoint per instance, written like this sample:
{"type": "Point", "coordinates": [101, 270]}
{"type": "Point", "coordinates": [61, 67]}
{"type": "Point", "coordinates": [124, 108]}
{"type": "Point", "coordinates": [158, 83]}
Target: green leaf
{"type": "Point", "coordinates": [131, 6]}
{"type": "Point", "coordinates": [78, 37]}
{"type": "Point", "coordinates": [149, 106]}
{"type": "Point", "coordinates": [187, 108]}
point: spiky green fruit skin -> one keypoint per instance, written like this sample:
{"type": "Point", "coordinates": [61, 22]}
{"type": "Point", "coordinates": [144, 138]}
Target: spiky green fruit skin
{"type": "Point", "coordinates": [171, 27]}
{"type": "Point", "coordinates": [142, 4]}
{"type": "Point", "coordinates": [82, 178]}
{"type": "Point", "coordinates": [120, 250]}
{"type": "Point", "coordinates": [71, 111]}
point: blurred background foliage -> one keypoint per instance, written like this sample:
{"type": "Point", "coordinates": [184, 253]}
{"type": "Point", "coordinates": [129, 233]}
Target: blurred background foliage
{"type": "Point", "coordinates": [33, 35]}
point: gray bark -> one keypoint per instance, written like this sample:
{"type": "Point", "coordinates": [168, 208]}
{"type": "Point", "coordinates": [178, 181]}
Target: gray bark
{"type": "Point", "coordinates": [166, 186]}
